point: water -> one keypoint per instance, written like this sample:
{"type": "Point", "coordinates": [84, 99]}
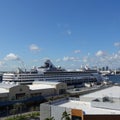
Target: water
{"type": "Point", "coordinates": [114, 78]}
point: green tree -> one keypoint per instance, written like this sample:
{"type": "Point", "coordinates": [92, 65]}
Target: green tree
{"type": "Point", "coordinates": [51, 118]}
{"type": "Point", "coordinates": [13, 112]}
{"type": "Point", "coordinates": [65, 116]}
{"type": "Point", "coordinates": [18, 107]}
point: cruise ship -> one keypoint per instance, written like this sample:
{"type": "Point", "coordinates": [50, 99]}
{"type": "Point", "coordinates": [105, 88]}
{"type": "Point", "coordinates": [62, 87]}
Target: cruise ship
{"type": "Point", "coordinates": [49, 72]}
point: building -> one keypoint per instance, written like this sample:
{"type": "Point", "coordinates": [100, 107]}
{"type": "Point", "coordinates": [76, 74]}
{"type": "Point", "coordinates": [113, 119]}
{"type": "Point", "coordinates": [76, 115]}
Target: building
{"type": "Point", "coordinates": [11, 93]}
{"type": "Point", "coordinates": [100, 105]}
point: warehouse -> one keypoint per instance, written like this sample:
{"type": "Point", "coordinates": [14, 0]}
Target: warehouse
{"type": "Point", "coordinates": [100, 105]}
{"type": "Point", "coordinates": [11, 93]}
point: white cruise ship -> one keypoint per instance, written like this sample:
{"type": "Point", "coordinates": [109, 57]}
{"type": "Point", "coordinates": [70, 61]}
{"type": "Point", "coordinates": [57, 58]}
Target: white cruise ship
{"type": "Point", "coordinates": [49, 72]}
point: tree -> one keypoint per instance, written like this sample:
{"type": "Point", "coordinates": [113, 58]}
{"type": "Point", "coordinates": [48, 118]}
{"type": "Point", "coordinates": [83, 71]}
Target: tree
{"type": "Point", "coordinates": [13, 112]}
{"type": "Point", "coordinates": [65, 116]}
{"type": "Point", "coordinates": [51, 118]}
{"type": "Point", "coordinates": [18, 107]}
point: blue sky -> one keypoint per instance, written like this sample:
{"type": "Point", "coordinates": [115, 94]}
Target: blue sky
{"type": "Point", "coordinates": [69, 32]}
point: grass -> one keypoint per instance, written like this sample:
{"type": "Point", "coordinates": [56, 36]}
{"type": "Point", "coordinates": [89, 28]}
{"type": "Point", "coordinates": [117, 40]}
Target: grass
{"type": "Point", "coordinates": [24, 116]}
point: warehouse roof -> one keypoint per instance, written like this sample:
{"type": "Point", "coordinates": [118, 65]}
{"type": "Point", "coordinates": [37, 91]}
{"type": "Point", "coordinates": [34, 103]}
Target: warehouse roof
{"type": "Point", "coordinates": [3, 90]}
{"type": "Point", "coordinates": [47, 82]}
{"type": "Point", "coordinates": [111, 92]}
{"type": "Point", "coordinates": [95, 107]}
{"type": "Point", "coordinates": [86, 107]}
{"type": "Point", "coordinates": [7, 85]}
{"type": "Point", "coordinates": [39, 86]}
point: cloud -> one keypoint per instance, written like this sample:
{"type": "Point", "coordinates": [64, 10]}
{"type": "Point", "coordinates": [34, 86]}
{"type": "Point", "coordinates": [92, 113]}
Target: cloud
{"type": "Point", "coordinates": [36, 60]}
{"type": "Point", "coordinates": [70, 59]}
{"type": "Point", "coordinates": [117, 44]}
{"type": "Point", "coordinates": [85, 59]}
{"type": "Point", "coordinates": [100, 53]}
{"type": "Point", "coordinates": [34, 48]}
{"type": "Point", "coordinates": [68, 32]}
{"type": "Point", "coordinates": [77, 51]}
{"type": "Point", "coordinates": [65, 28]}
{"type": "Point", "coordinates": [58, 60]}
{"type": "Point", "coordinates": [2, 63]}
{"type": "Point", "coordinates": [12, 57]}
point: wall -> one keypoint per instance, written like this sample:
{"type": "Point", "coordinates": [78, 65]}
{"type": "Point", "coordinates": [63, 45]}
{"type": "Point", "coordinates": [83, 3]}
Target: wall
{"type": "Point", "coordinates": [76, 112]}
{"type": "Point", "coordinates": [101, 117]}
{"type": "Point", "coordinates": [50, 91]}
{"type": "Point", "coordinates": [19, 90]}
{"type": "Point", "coordinates": [58, 111]}
{"type": "Point", "coordinates": [4, 95]}
{"type": "Point", "coordinates": [44, 92]}
{"type": "Point", "coordinates": [61, 86]}
{"type": "Point", "coordinates": [45, 111]}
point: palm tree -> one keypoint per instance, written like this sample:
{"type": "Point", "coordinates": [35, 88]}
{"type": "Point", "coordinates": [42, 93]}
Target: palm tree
{"type": "Point", "coordinates": [18, 107]}
{"type": "Point", "coordinates": [13, 112]}
{"type": "Point", "coordinates": [65, 116]}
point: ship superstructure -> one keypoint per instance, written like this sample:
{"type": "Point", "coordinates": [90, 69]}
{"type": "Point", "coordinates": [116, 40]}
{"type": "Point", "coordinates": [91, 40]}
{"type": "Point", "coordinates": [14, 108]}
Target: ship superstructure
{"type": "Point", "coordinates": [48, 72]}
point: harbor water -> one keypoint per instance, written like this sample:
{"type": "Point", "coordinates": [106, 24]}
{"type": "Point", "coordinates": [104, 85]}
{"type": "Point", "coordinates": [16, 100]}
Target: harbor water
{"type": "Point", "coordinates": [114, 78]}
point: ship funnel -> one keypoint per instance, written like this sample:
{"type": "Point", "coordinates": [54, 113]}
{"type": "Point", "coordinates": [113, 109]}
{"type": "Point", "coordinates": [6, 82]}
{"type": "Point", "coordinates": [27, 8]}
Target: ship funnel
{"type": "Point", "coordinates": [48, 64]}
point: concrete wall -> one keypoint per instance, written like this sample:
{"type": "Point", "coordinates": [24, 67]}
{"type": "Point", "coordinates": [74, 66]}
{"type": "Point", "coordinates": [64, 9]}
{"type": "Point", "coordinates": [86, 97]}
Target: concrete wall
{"type": "Point", "coordinates": [17, 90]}
{"type": "Point", "coordinates": [4, 95]}
{"type": "Point", "coordinates": [58, 111]}
{"type": "Point", "coordinates": [87, 99]}
{"type": "Point", "coordinates": [44, 92]}
{"type": "Point", "coordinates": [45, 111]}
{"type": "Point", "coordinates": [60, 86]}
{"type": "Point", "coordinates": [25, 89]}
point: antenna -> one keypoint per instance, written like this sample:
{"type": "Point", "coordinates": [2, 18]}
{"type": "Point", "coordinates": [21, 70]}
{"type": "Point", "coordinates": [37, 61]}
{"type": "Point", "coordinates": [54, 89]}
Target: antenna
{"type": "Point", "coordinates": [22, 63]}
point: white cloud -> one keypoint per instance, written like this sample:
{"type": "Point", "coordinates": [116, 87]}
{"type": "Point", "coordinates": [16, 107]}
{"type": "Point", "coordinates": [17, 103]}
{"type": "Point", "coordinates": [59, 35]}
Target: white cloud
{"type": "Point", "coordinates": [100, 53]}
{"type": "Point", "coordinates": [11, 56]}
{"type": "Point", "coordinates": [58, 60]}
{"type": "Point", "coordinates": [117, 44]}
{"type": "Point", "coordinates": [67, 58]}
{"type": "Point", "coordinates": [1, 63]}
{"type": "Point", "coordinates": [77, 51]}
{"type": "Point", "coordinates": [36, 60]}
{"type": "Point", "coordinates": [69, 32]}
{"type": "Point", "coordinates": [85, 59]}
{"type": "Point", "coordinates": [34, 48]}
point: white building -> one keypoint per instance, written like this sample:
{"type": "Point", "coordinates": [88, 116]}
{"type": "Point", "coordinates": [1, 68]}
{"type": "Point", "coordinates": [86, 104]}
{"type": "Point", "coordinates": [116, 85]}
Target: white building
{"type": "Point", "coordinates": [100, 105]}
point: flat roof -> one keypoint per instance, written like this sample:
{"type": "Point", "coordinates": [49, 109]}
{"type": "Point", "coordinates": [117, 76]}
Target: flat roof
{"type": "Point", "coordinates": [113, 91]}
{"type": "Point", "coordinates": [4, 87]}
{"type": "Point", "coordinates": [86, 107]}
{"type": "Point", "coordinates": [40, 86]}
{"type": "Point", "coordinates": [47, 82]}
{"type": "Point", "coordinates": [7, 85]}
{"type": "Point", "coordinates": [3, 90]}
